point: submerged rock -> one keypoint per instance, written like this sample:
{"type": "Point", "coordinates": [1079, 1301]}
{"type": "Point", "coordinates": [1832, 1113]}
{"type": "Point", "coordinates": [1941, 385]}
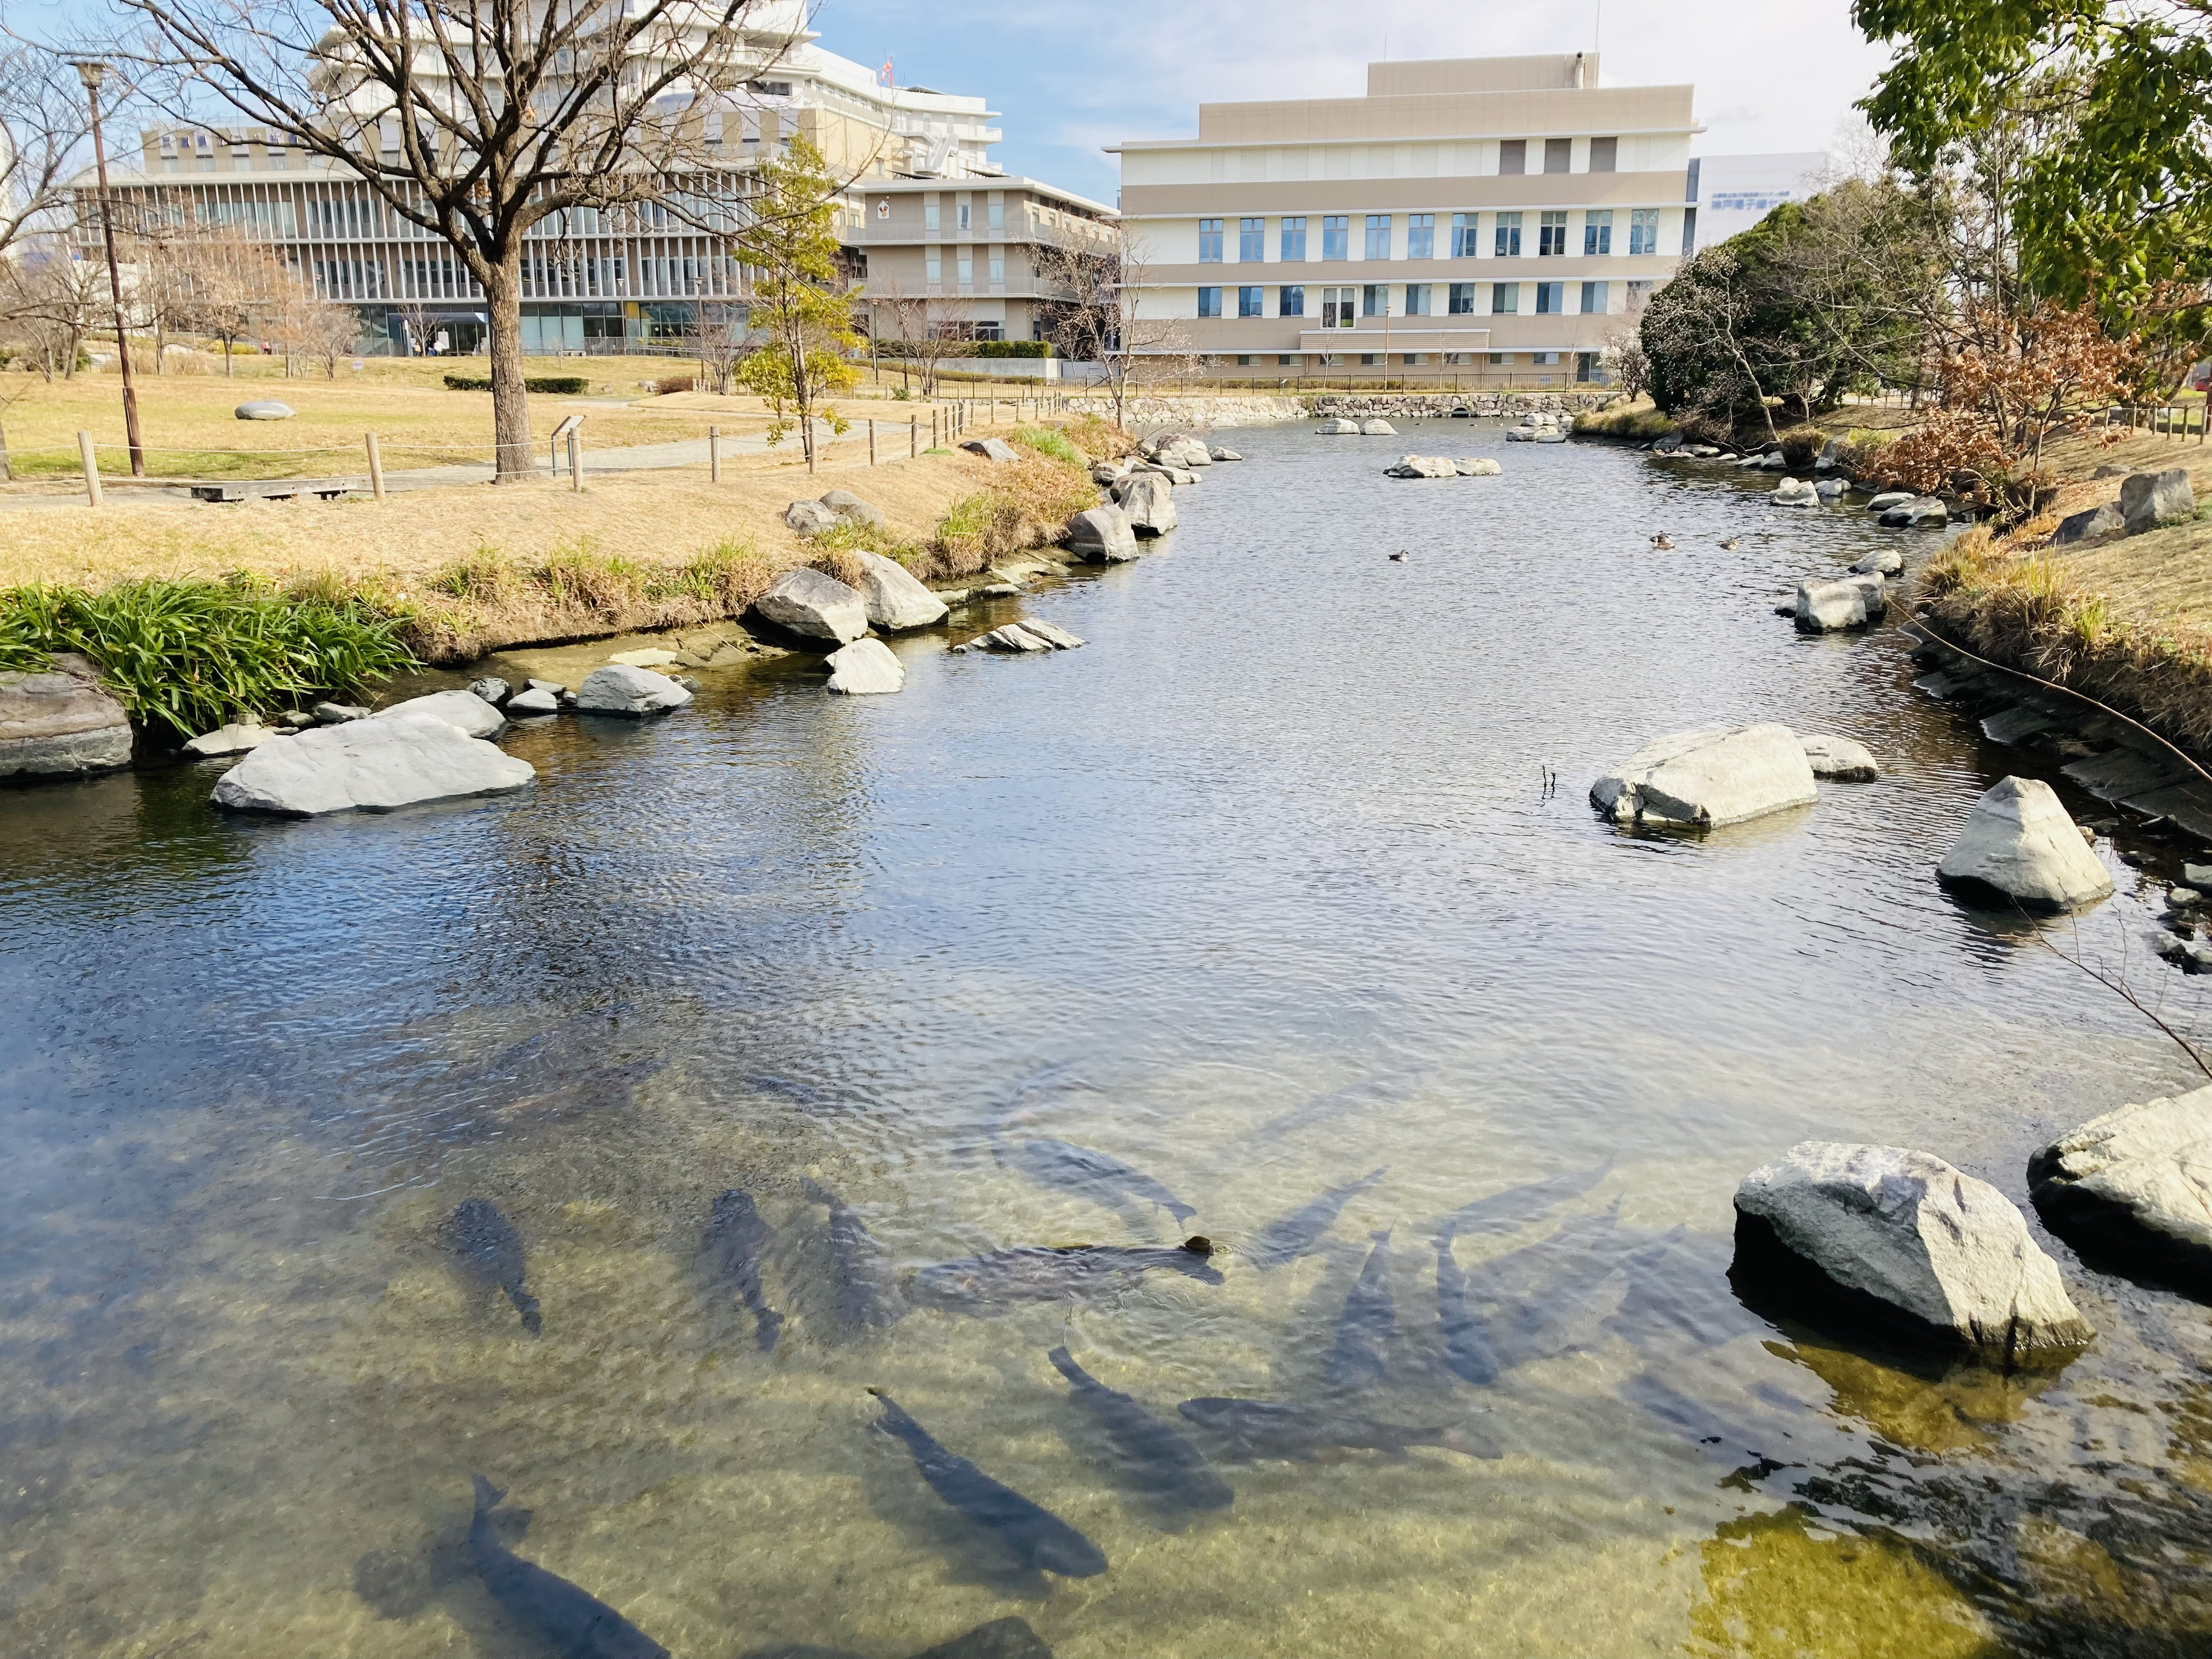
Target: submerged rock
{"type": "Point", "coordinates": [1901, 1239]}
{"type": "Point", "coordinates": [238, 737]}
{"type": "Point", "coordinates": [1842, 759]}
{"type": "Point", "coordinates": [1883, 500]}
{"type": "Point", "coordinates": [464, 709]}
{"type": "Point", "coordinates": [1215, 452]}
{"type": "Point", "coordinates": [867, 668]}
{"type": "Point", "coordinates": [1334, 427]}
{"type": "Point", "coordinates": [647, 657]}
{"type": "Point", "coordinates": [894, 599]}
{"type": "Point", "coordinates": [619, 689]}
{"type": "Point", "coordinates": [1829, 607]}
{"type": "Point", "coordinates": [2136, 1185]}
{"type": "Point", "coordinates": [61, 722]}
{"type": "Point", "coordinates": [1920, 510]}
{"type": "Point", "coordinates": [372, 765]}
{"type": "Point", "coordinates": [1705, 779]}
{"type": "Point", "coordinates": [2021, 845]}
{"type": "Point", "coordinates": [493, 689]}
{"type": "Point", "coordinates": [816, 606]}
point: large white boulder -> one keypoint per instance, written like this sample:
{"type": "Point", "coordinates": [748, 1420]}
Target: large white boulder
{"type": "Point", "coordinates": [371, 765]}
{"type": "Point", "coordinates": [2137, 1185]}
{"type": "Point", "coordinates": [619, 689]}
{"type": "Point", "coordinates": [465, 709]}
{"type": "Point", "coordinates": [2148, 500]}
{"type": "Point", "coordinates": [233, 738]}
{"type": "Point", "coordinates": [1796, 492]}
{"type": "Point", "coordinates": [1423, 466]}
{"type": "Point", "coordinates": [1147, 500]}
{"type": "Point", "coordinates": [1477, 467]}
{"type": "Point", "coordinates": [1702, 779]}
{"type": "Point", "coordinates": [1377, 427]}
{"type": "Point", "coordinates": [1830, 607]}
{"type": "Point", "coordinates": [2021, 844]}
{"type": "Point", "coordinates": [61, 722]}
{"type": "Point", "coordinates": [1102, 535]}
{"type": "Point", "coordinates": [817, 607]}
{"type": "Point", "coordinates": [1334, 427]}
{"type": "Point", "coordinates": [1180, 449]}
{"type": "Point", "coordinates": [1843, 759]}
{"type": "Point", "coordinates": [894, 599]}
{"type": "Point", "coordinates": [1902, 1237]}
{"type": "Point", "coordinates": [867, 668]}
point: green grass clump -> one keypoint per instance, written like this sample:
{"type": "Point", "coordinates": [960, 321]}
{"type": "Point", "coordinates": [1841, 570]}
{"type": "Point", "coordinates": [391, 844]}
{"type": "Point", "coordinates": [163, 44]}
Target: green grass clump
{"type": "Point", "coordinates": [192, 655]}
{"type": "Point", "coordinates": [1048, 442]}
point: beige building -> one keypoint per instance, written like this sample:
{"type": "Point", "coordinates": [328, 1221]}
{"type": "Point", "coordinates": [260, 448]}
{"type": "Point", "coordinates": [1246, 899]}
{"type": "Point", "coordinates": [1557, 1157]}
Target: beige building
{"type": "Point", "coordinates": [1485, 219]}
{"type": "Point", "coordinates": [969, 253]}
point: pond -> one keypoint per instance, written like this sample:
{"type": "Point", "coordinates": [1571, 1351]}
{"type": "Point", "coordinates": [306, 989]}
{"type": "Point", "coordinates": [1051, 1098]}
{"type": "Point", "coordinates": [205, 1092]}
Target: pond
{"type": "Point", "coordinates": [1284, 885]}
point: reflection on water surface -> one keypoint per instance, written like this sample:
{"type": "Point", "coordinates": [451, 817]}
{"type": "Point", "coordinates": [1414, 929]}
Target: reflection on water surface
{"type": "Point", "coordinates": [1259, 899]}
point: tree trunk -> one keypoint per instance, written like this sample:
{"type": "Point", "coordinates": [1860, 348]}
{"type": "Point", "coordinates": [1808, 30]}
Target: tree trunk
{"type": "Point", "coordinates": [510, 397]}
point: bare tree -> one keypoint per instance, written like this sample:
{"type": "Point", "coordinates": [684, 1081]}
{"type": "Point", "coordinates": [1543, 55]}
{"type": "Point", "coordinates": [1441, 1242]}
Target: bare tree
{"type": "Point", "coordinates": [42, 121]}
{"type": "Point", "coordinates": [1103, 319]}
{"type": "Point", "coordinates": [472, 118]}
{"type": "Point", "coordinates": [49, 303]}
{"type": "Point", "coordinates": [933, 330]}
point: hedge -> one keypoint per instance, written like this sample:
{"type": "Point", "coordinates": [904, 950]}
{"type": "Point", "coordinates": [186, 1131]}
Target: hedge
{"type": "Point", "coordinates": [558, 385]}
{"type": "Point", "coordinates": [956, 350]}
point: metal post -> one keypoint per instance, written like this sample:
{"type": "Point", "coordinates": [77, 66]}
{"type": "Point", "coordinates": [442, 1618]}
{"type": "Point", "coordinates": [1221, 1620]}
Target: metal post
{"type": "Point", "coordinates": [91, 464]}
{"type": "Point", "coordinates": [713, 454]}
{"type": "Point", "coordinates": [90, 73]}
{"type": "Point", "coordinates": [375, 467]}
{"type": "Point", "coordinates": [576, 459]}
{"type": "Point", "coordinates": [553, 456]}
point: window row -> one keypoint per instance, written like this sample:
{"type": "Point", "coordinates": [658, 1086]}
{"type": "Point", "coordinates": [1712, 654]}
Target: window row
{"type": "Point", "coordinates": [964, 264]}
{"type": "Point", "coordinates": [1589, 367]}
{"type": "Point", "coordinates": [1464, 232]}
{"type": "Point", "coordinates": [1342, 306]}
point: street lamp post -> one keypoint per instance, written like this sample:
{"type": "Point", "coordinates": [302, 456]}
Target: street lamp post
{"type": "Point", "coordinates": [90, 73]}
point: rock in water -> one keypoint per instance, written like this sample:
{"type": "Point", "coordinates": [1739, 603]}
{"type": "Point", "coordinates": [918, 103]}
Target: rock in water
{"type": "Point", "coordinates": [1886, 499]}
{"type": "Point", "coordinates": [1796, 492]}
{"type": "Point", "coordinates": [1158, 1455]}
{"type": "Point", "coordinates": [894, 599]}
{"type": "Point", "coordinates": [569, 1618]}
{"type": "Point", "coordinates": [1839, 758]}
{"type": "Point", "coordinates": [493, 689]}
{"type": "Point", "coordinates": [1423, 466]}
{"type": "Point", "coordinates": [61, 722]}
{"type": "Point", "coordinates": [1377, 427]}
{"type": "Point", "coordinates": [1147, 500]}
{"type": "Point", "coordinates": [1908, 1241]}
{"type": "Point", "coordinates": [2020, 845]}
{"type": "Point", "coordinates": [817, 607]}
{"type": "Point", "coordinates": [1216, 453]}
{"type": "Point", "coordinates": [1359, 1358]}
{"type": "Point", "coordinates": [1477, 467]}
{"type": "Point", "coordinates": [1051, 632]}
{"type": "Point", "coordinates": [2136, 1185]}
{"type": "Point", "coordinates": [1102, 535]}
{"type": "Point", "coordinates": [237, 737]}
{"type": "Point", "coordinates": [2148, 500]}
{"type": "Point", "coordinates": [1036, 1538]}
{"type": "Point", "coordinates": [464, 709]}
{"type": "Point", "coordinates": [524, 705]}
{"type": "Point", "coordinates": [1830, 607]}
{"type": "Point", "coordinates": [491, 1251]}
{"type": "Point", "coordinates": [372, 765]}
{"type": "Point", "coordinates": [1883, 561]}
{"type": "Point", "coordinates": [737, 1242]}
{"type": "Point", "coordinates": [867, 668]}
{"type": "Point", "coordinates": [1702, 779]}
{"type": "Point", "coordinates": [619, 689]}
{"type": "Point", "coordinates": [1012, 638]}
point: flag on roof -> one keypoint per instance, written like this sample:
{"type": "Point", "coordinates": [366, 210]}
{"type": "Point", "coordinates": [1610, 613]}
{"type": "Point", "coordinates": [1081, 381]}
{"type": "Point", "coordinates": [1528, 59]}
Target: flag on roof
{"type": "Point", "coordinates": [883, 74]}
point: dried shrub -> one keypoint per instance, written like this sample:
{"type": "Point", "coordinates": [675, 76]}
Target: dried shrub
{"type": "Point", "coordinates": [1801, 445]}
{"type": "Point", "coordinates": [484, 577]}
{"type": "Point", "coordinates": [577, 578]}
{"type": "Point", "coordinates": [1099, 439]}
{"type": "Point", "coordinates": [841, 562]}
{"type": "Point", "coordinates": [672, 383]}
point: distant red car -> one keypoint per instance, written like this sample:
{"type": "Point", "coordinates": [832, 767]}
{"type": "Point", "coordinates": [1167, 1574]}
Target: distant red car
{"type": "Point", "coordinates": [2200, 378]}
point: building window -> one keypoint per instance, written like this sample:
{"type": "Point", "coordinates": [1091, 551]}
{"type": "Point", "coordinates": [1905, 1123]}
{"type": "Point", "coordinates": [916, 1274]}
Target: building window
{"type": "Point", "coordinates": [1209, 241]}
{"type": "Point", "coordinates": [1420, 236]}
{"type": "Point", "coordinates": [1209, 302]}
{"type": "Point", "coordinates": [1244, 361]}
{"type": "Point", "coordinates": [1336, 308]}
{"type": "Point", "coordinates": [1544, 359]}
{"type": "Point", "coordinates": [1463, 231]}
{"type": "Point", "coordinates": [1504, 299]}
{"type": "Point", "coordinates": [1644, 230]}
{"type": "Point", "coordinates": [1552, 235]}
{"type": "Point", "coordinates": [932, 263]}
{"type": "Point", "coordinates": [1585, 366]}
{"type": "Point", "coordinates": [1414, 359]}
{"type": "Point", "coordinates": [1251, 241]}
{"type": "Point", "coordinates": [1496, 356]}
{"type": "Point", "coordinates": [1294, 241]}
{"type": "Point", "coordinates": [999, 265]}
{"type": "Point", "coordinates": [929, 213]}
{"type": "Point", "coordinates": [1689, 232]}
{"type": "Point", "coordinates": [1605, 155]}
{"type": "Point", "coordinates": [1597, 231]}
{"type": "Point", "coordinates": [1367, 359]}
{"type": "Point", "coordinates": [1286, 361]}
{"type": "Point", "coordinates": [1336, 236]}
{"type": "Point", "coordinates": [1248, 302]}
{"type": "Point", "coordinates": [1378, 236]}
{"type": "Point", "coordinates": [1375, 300]}
{"type": "Point", "coordinates": [1417, 300]}
{"type": "Point", "coordinates": [1558, 154]}
{"type": "Point", "coordinates": [1508, 239]}
{"type": "Point", "coordinates": [1550, 298]}
{"type": "Point", "coordinates": [1595, 297]}
{"type": "Point", "coordinates": [1463, 298]}
{"type": "Point", "coordinates": [1513, 156]}
{"type": "Point", "coordinates": [998, 216]}
{"type": "Point", "coordinates": [1290, 301]}
{"type": "Point", "coordinates": [962, 214]}
{"type": "Point", "coordinates": [965, 258]}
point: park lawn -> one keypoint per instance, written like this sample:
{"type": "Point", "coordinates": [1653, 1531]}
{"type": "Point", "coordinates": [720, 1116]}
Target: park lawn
{"type": "Point", "coordinates": [190, 429]}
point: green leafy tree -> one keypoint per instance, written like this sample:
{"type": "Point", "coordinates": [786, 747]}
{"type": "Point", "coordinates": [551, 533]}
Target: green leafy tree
{"type": "Point", "coordinates": [2120, 212]}
{"type": "Point", "coordinates": [802, 303]}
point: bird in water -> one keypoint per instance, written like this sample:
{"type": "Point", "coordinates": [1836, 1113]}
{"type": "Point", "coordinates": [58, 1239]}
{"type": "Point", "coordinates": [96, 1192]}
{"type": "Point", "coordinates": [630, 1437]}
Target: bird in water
{"type": "Point", "coordinates": [1663, 543]}
{"type": "Point", "coordinates": [1731, 544]}
{"type": "Point", "coordinates": [1400, 557]}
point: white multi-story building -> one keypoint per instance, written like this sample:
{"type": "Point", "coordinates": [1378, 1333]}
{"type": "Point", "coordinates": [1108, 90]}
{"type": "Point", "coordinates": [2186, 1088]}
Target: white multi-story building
{"type": "Point", "coordinates": [1494, 219]}
{"type": "Point", "coordinates": [616, 279]}
{"type": "Point", "coordinates": [1729, 194]}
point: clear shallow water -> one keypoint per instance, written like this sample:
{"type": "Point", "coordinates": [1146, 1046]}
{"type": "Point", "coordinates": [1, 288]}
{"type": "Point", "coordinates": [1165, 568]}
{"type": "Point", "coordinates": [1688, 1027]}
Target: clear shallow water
{"type": "Point", "coordinates": [1260, 891]}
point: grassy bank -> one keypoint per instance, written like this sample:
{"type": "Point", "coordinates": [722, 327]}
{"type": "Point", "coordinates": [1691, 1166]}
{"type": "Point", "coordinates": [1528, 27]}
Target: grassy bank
{"type": "Point", "coordinates": [2127, 621]}
{"type": "Point", "coordinates": [198, 614]}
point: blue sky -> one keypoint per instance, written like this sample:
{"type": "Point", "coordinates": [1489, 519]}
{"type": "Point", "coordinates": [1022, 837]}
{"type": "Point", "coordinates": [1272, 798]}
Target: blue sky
{"type": "Point", "coordinates": [1072, 75]}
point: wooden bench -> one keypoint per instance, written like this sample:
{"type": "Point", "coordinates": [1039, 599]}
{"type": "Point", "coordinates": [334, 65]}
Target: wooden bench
{"type": "Point", "coordinates": [275, 489]}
